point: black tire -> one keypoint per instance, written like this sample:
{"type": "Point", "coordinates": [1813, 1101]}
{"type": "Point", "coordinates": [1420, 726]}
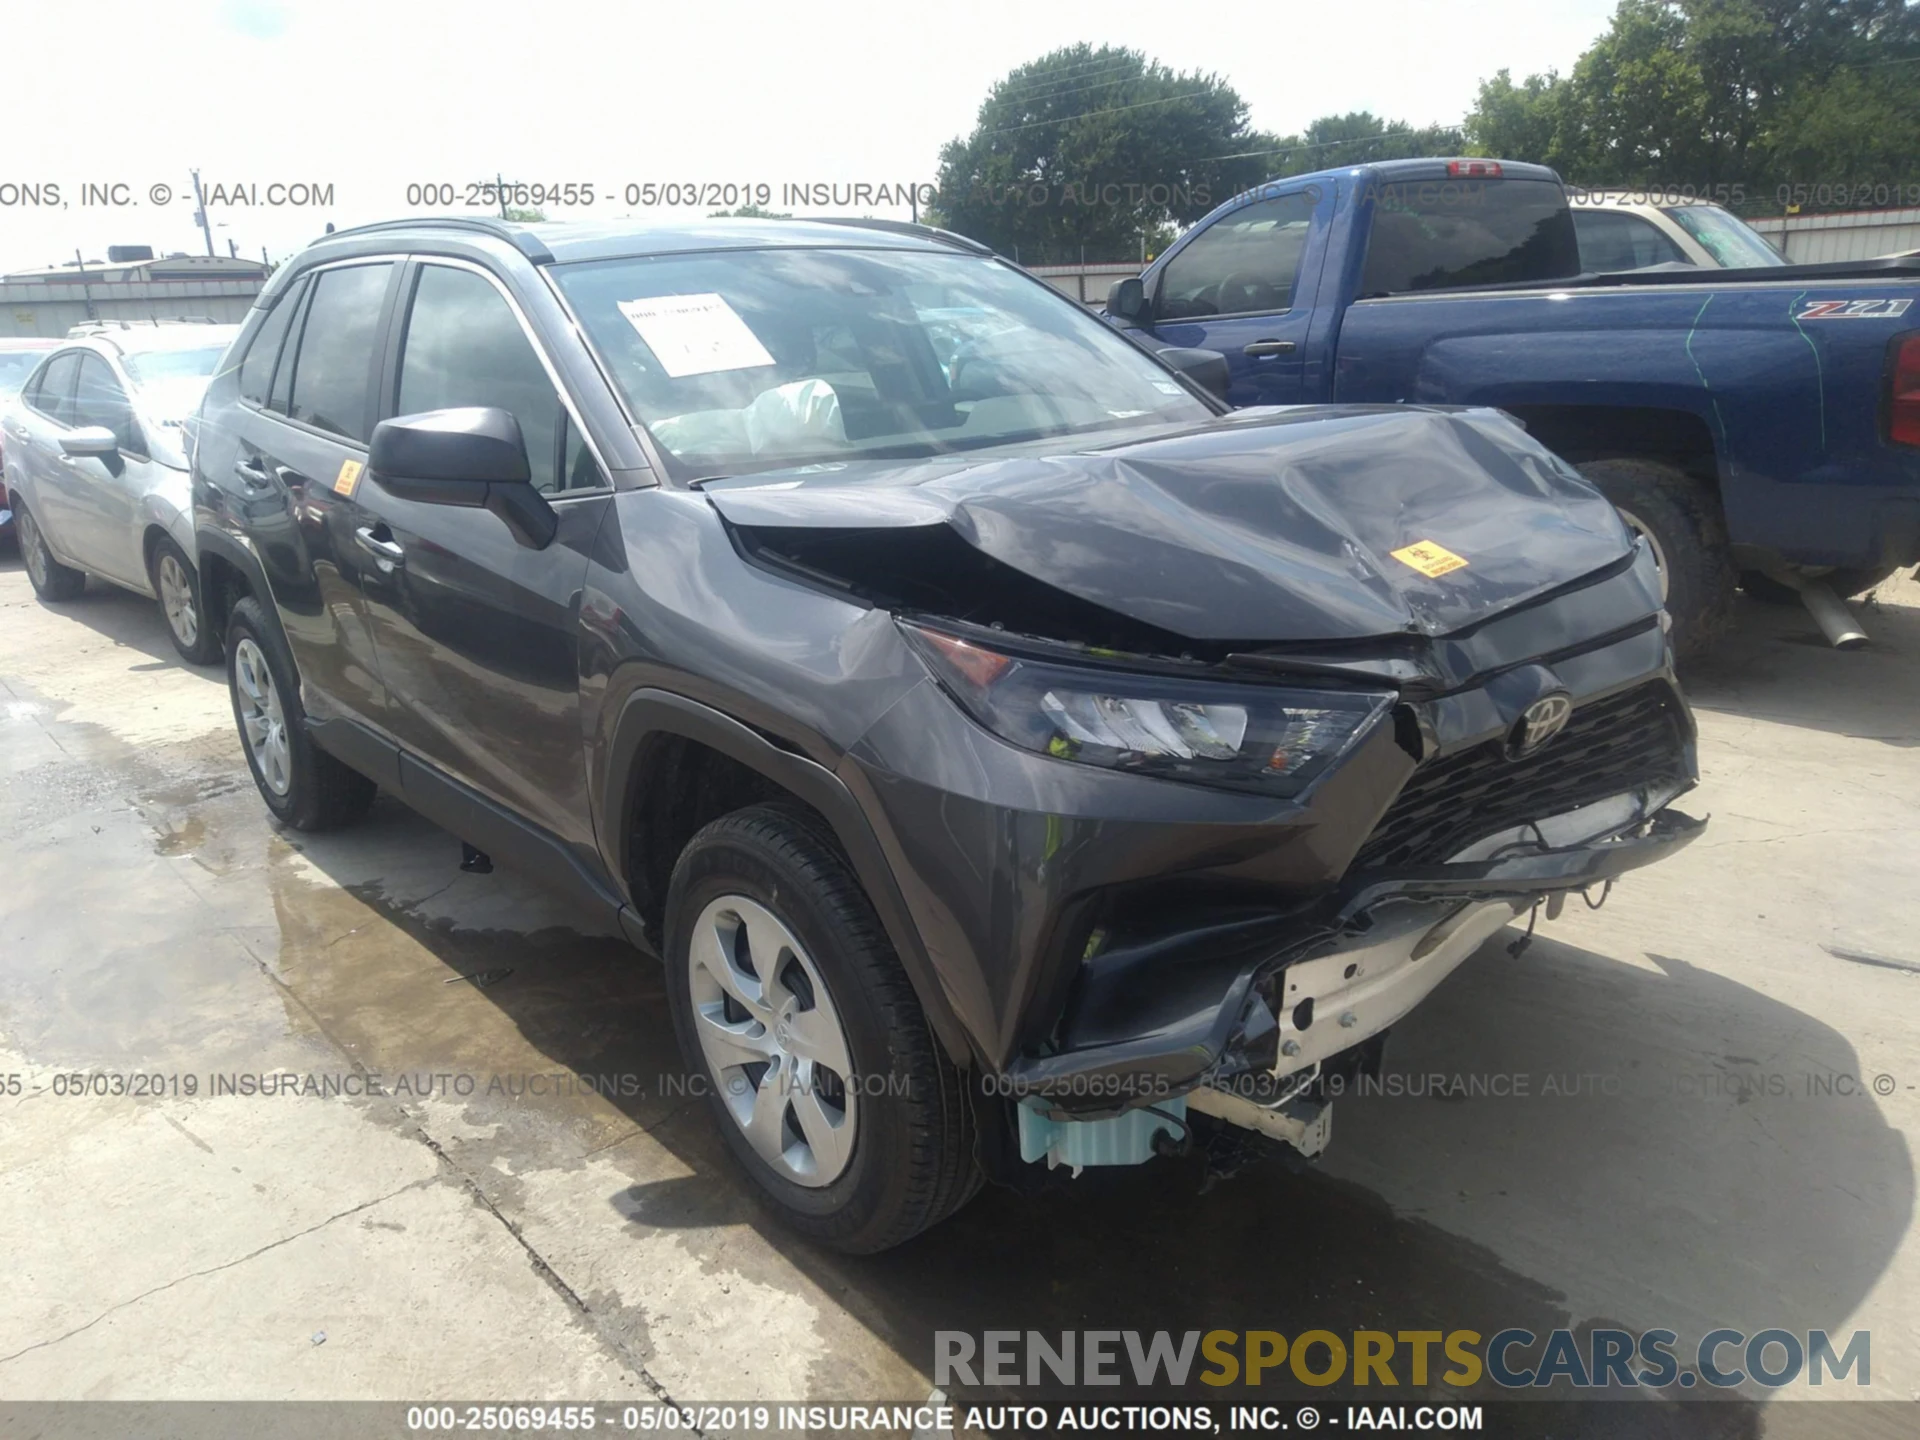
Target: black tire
{"type": "Point", "coordinates": [51, 580]}
{"type": "Point", "coordinates": [1681, 516]}
{"type": "Point", "coordinates": [1846, 582]}
{"type": "Point", "coordinates": [198, 645]}
{"type": "Point", "coordinates": [321, 793]}
{"type": "Point", "coordinates": [912, 1157]}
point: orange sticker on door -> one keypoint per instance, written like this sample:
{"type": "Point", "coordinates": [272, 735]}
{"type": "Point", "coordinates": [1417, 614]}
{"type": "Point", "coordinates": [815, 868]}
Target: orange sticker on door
{"type": "Point", "coordinates": [1429, 558]}
{"type": "Point", "coordinates": [349, 477]}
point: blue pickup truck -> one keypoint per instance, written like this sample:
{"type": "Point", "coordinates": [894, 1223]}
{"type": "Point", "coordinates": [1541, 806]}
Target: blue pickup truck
{"type": "Point", "coordinates": [1758, 427]}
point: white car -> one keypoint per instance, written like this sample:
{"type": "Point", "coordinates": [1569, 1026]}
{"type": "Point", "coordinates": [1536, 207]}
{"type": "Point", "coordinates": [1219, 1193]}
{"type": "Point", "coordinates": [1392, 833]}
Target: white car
{"type": "Point", "coordinates": [1637, 229]}
{"type": "Point", "coordinates": [96, 458]}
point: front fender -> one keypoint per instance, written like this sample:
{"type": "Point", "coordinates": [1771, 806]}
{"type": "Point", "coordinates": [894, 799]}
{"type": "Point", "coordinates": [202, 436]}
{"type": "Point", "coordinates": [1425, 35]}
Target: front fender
{"type": "Point", "coordinates": [649, 713]}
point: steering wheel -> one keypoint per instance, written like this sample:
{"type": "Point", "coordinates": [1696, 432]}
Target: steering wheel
{"type": "Point", "coordinates": [1243, 280]}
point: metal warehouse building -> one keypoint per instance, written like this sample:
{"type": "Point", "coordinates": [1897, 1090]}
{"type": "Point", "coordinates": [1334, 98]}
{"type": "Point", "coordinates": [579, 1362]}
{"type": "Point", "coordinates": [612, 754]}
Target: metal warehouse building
{"type": "Point", "coordinates": [48, 303]}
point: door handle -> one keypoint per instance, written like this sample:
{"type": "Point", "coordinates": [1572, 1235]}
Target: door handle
{"type": "Point", "coordinates": [1261, 348]}
{"type": "Point", "coordinates": [390, 552]}
{"type": "Point", "coordinates": [251, 475]}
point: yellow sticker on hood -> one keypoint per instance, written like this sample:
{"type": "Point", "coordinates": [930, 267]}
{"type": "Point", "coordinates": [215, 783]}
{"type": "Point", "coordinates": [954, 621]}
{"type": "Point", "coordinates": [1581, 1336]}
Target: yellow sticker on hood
{"type": "Point", "coordinates": [1429, 558]}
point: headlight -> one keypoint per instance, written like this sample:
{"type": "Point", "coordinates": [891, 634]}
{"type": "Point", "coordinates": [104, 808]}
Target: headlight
{"type": "Point", "coordinates": [1266, 738]}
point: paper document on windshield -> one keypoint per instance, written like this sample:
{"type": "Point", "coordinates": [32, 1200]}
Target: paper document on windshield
{"type": "Point", "coordinates": [695, 334]}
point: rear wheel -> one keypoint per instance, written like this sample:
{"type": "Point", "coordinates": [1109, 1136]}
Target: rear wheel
{"type": "Point", "coordinates": [51, 580]}
{"type": "Point", "coordinates": [177, 584]}
{"type": "Point", "coordinates": [1680, 520]}
{"type": "Point", "coordinates": [303, 785]}
{"type": "Point", "coordinates": [819, 1065]}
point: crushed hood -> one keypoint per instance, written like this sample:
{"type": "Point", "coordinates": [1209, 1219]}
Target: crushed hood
{"type": "Point", "coordinates": [1267, 526]}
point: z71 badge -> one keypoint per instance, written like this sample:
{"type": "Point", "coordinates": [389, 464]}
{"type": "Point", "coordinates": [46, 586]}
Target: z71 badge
{"type": "Point", "coordinates": [1852, 309]}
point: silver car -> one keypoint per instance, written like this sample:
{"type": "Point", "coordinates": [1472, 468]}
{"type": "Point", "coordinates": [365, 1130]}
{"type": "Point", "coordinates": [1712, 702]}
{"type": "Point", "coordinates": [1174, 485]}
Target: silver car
{"type": "Point", "coordinates": [96, 450]}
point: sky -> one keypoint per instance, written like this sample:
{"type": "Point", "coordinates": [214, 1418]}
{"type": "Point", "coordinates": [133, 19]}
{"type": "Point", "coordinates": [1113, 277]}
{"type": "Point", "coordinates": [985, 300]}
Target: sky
{"type": "Point", "coordinates": [357, 100]}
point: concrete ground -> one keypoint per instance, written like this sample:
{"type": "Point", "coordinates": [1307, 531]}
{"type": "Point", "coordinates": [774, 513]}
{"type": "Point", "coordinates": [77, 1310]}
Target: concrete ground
{"type": "Point", "coordinates": [1705, 1136]}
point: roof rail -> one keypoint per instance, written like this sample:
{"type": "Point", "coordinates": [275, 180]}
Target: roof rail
{"type": "Point", "coordinates": [898, 227]}
{"type": "Point", "coordinates": [524, 241]}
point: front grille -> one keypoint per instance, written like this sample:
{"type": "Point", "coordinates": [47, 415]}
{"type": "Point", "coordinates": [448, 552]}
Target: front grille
{"type": "Point", "coordinates": [1609, 746]}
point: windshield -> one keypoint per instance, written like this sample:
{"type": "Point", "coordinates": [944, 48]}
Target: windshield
{"type": "Point", "coordinates": [1429, 235]}
{"type": "Point", "coordinates": [747, 360]}
{"type": "Point", "coordinates": [15, 367]}
{"type": "Point", "coordinates": [1729, 240]}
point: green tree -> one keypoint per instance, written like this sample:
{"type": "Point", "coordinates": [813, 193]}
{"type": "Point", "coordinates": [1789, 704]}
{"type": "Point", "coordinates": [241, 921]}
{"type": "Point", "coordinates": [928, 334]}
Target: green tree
{"type": "Point", "coordinates": [1096, 151]}
{"type": "Point", "coordinates": [750, 212]}
{"type": "Point", "coordinates": [1358, 138]}
{"type": "Point", "coordinates": [1759, 93]}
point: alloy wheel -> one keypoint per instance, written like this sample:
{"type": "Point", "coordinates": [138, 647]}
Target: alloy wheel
{"type": "Point", "coordinates": [773, 1041]}
{"type": "Point", "coordinates": [261, 717]}
{"type": "Point", "coordinates": [176, 598]}
{"type": "Point", "coordinates": [32, 551]}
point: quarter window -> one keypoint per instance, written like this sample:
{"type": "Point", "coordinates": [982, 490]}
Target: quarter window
{"type": "Point", "coordinates": [1242, 264]}
{"type": "Point", "coordinates": [464, 346]}
{"type": "Point", "coordinates": [256, 371]}
{"type": "Point", "coordinates": [332, 378]}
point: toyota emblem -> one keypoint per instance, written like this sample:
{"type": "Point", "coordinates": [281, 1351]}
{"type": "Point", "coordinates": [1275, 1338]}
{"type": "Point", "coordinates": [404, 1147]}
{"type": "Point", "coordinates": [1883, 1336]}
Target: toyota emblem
{"type": "Point", "coordinates": [1539, 723]}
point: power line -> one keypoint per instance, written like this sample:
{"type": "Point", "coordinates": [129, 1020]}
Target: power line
{"type": "Point", "coordinates": [1089, 115]}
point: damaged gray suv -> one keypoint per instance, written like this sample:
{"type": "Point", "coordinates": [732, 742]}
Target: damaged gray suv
{"type": "Point", "coordinates": [1013, 756]}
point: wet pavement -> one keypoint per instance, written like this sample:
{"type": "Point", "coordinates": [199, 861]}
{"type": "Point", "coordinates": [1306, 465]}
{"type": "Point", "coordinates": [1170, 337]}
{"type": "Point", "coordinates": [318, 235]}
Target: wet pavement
{"type": "Point", "coordinates": [440, 1144]}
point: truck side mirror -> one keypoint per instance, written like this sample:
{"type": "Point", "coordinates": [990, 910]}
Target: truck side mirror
{"type": "Point", "coordinates": [1127, 301]}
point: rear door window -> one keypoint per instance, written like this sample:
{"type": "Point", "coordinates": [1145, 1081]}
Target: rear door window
{"type": "Point", "coordinates": [1243, 264]}
{"type": "Point", "coordinates": [1434, 235]}
{"type": "Point", "coordinates": [332, 382]}
{"type": "Point", "coordinates": [53, 396]}
{"type": "Point", "coordinates": [1611, 241]}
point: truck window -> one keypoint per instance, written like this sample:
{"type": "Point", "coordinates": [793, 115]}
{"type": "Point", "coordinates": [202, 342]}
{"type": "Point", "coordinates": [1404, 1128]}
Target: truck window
{"type": "Point", "coordinates": [1431, 234]}
{"type": "Point", "coordinates": [1242, 264]}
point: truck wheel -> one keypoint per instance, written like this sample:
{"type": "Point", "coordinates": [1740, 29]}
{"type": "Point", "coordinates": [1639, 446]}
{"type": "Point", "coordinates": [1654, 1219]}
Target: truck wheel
{"type": "Point", "coordinates": [303, 785]}
{"type": "Point", "coordinates": [51, 580]}
{"type": "Point", "coordinates": [177, 584]}
{"type": "Point", "coordinates": [818, 1062]}
{"type": "Point", "coordinates": [1847, 581]}
{"type": "Point", "coordinates": [1680, 520]}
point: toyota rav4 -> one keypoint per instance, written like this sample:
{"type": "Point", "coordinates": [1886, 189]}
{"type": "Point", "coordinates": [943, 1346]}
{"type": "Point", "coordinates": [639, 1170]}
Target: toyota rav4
{"type": "Point", "coordinates": [1012, 754]}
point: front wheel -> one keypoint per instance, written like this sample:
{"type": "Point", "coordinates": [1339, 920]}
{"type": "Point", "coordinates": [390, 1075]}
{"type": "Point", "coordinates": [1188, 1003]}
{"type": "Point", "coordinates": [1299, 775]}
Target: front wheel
{"type": "Point", "coordinates": [303, 785]}
{"type": "Point", "coordinates": [177, 584]}
{"type": "Point", "coordinates": [794, 1013]}
{"type": "Point", "coordinates": [1679, 518]}
{"type": "Point", "coordinates": [51, 580]}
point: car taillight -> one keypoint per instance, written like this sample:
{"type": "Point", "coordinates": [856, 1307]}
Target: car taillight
{"type": "Point", "coordinates": [1474, 169]}
{"type": "Point", "coordinates": [1903, 389]}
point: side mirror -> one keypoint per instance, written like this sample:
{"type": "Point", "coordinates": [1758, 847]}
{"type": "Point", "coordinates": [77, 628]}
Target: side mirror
{"type": "Point", "coordinates": [1206, 368]}
{"type": "Point", "coordinates": [474, 456]}
{"type": "Point", "coordinates": [1127, 301]}
{"type": "Point", "coordinates": [95, 440]}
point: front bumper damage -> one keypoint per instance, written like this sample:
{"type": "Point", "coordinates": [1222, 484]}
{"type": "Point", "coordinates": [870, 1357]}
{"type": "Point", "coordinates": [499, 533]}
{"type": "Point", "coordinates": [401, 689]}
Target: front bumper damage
{"type": "Point", "coordinates": [1377, 948]}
